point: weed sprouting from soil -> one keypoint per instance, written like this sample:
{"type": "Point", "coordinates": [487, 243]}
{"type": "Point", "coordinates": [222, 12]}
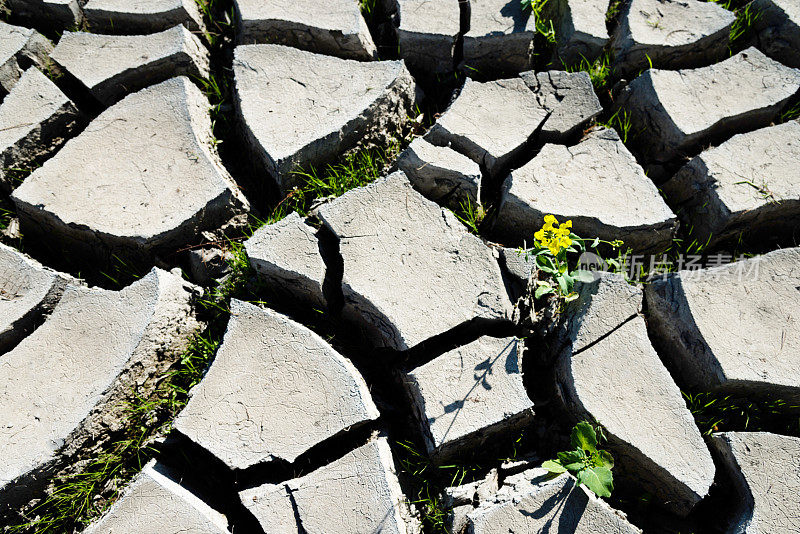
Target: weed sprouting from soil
{"type": "Point", "coordinates": [353, 170]}
{"type": "Point", "coordinates": [599, 70]}
{"type": "Point", "coordinates": [471, 215]}
{"type": "Point", "coordinates": [613, 11]}
{"type": "Point", "coordinates": [7, 214]}
{"type": "Point", "coordinates": [544, 24]}
{"type": "Point", "coordinates": [792, 113]}
{"type": "Point", "coordinates": [746, 18]}
{"type": "Point", "coordinates": [621, 122]}
{"type": "Point", "coordinates": [715, 412]}
{"type": "Point", "coordinates": [218, 22]}
{"type": "Point", "coordinates": [426, 480]}
{"type": "Point", "coordinates": [368, 7]}
{"type": "Point", "coordinates": [429, 480]}
{"type": "Point", "coordinates": [747, 15]}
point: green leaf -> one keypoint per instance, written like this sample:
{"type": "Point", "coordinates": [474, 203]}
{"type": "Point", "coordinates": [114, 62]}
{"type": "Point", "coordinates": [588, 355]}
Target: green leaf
{"type": "Point", "coordinates": [546, 264]}
{"type": "Point", "coordinates": [543, 289]}
{"type": "Point", "coordinates": [583, 275]}
{"type": "Point", "coordinates": [584, 436]}
{"type": "Point", "coordinates": [597, 479]}
{"type": "Point", "coordinates": [573, 460]}
{"type": "Point", "coordinates": [606, 459]}
{"type": "Point", "coordinates": [565, 284]}
{"type": "Point", "coordinates": [554, 466]}
{"type": "Point", "coordinates": [595, 242]}
{"type": "Point", "coordinates": [548, 270]}
{"type": "Point", "coordinates": [578, 241]}
{"type": "Point", "coordinates": [572, 296]}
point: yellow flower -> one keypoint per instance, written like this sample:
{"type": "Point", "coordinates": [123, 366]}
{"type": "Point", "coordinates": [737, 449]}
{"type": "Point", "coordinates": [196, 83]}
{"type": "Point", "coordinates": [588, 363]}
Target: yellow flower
{"type": "Point", "coordinates": [553, 235]}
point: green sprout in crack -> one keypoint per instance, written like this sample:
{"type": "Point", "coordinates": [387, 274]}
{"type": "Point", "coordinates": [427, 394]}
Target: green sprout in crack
{"type": "Point", "coordinates": [790, 114]}
{"type": "Point", "coordinates": [590, 465]}
{"type": "Point", "coordinates": [763, 191]}
{"type": "Point", "coordinates": [613, 10]}
{"type": "Point", "coordinates": [216, 28]}
{"type": "Point", "coordinates": [552, 243]}
{"type": "Point", "coordinates": [622, 122]}
{"type": "Point", "coordinates": [544, 25]}
{"type": "Point", "coordinates": [368, 7]}
{"type": "Point", "coordinates": [717, 412]}
{"type": "Point", "coordinates": [215, 89]}
{"type": "Point", "coordinates": [428, 480]}
{"type": "Point", "coordinates": [654, 24]}
{"type": "Point", "coordinates": [599, 70]}
{"type": "Point", "coordinates": [471, 215]}
{"type": "Point", "coordinates": [6, 216]}
{"type": "Point", "coordinates": [353, 170]}
{"type": "Point", "coordinates": [746, 18]}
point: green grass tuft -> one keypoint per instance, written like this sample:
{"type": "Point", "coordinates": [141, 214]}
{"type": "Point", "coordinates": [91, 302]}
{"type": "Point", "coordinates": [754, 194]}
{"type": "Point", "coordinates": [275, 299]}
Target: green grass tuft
{"type": "Point", "coordinates": [217, 89]}
{"type": "Point", "coordinates": [218, 23]}
{"type": "Point", "coordinates": [544, 24]}
{"type": "Point", "coordinates": [613, 10]}
{"type": "Point", "coordinates": [471, 215]}
{"type": "Point", "coordinates": [715, 412]}
{"type": "Point", "coordinates": [368, 7]}
{"type": "Point", "coordinates": [121, 272]}
{"type": "Point", "coordinates": [792, 113]}
{"type": "Point", "coordinates": [599, 70]}
{"type": "Point", "coordinates": [429, 480]}
{"type": "Point", "coordinates": [622, 123]}
{"type": "Point", "coordinates": [746, 18]}
{"type": "Point", "coordinates": [353, 170]}
{"type": "Point", "coordinates": [6, 215]}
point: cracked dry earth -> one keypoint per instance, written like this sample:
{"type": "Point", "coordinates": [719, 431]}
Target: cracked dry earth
{"type": "Point", "coordinates": [379, 342]}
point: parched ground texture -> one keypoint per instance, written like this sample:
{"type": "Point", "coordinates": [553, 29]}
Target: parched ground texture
{"type": "Point", "coordinates": [263, 265]}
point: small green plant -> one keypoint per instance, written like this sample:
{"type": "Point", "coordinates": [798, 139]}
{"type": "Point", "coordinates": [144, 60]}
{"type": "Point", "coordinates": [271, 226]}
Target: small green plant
{"type": "Point", "coordinates": [792, 113]}
{"type": "Point", "coordinates": [216, 90]}
{"type": "Point", "coordinates": [428, 479]}
{"type": "Point", "coordinates": [622, 122]}
{"type": "Point", "coordinates": [367, 7]}
{"type": "Point", "coordinates": [52, 71]}
{"type": "Point", "coordinates": [17, 175]}
{"type": "Point", "coordinates": [590, 465]}
{"type": "Point", "coordinates": [763, 190]}
{"type": "Point", "coordinates": [654, 24]}
{"type": "Point", "coordinates": [544, 24]}
{"type": "Point", "coordinates": [613, 10]}
{"type": "Point", "coordinates": [599, 70]}
{"type": "Point", "coordinates": [216, 27]}
{"type": "Point", "coordinates": [6, 215]}
{"type": "Point", "coordinates": [715, 412]}
{"type": "Point", "coordinates": [551, 245]}
{"type": "Point", "coordinates": [353, 170]}
{"type": "Point", "coordinates": [746, 18]}
{"type": "Point", "coordinates": [121, 272]}
{"type": "Point", "coordinates": [471, 215]}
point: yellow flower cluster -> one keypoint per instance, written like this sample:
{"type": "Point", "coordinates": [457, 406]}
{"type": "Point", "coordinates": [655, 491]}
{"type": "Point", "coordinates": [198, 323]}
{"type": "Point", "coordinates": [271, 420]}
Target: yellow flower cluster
{"type": "Point", "coordinates": [553, 235]}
